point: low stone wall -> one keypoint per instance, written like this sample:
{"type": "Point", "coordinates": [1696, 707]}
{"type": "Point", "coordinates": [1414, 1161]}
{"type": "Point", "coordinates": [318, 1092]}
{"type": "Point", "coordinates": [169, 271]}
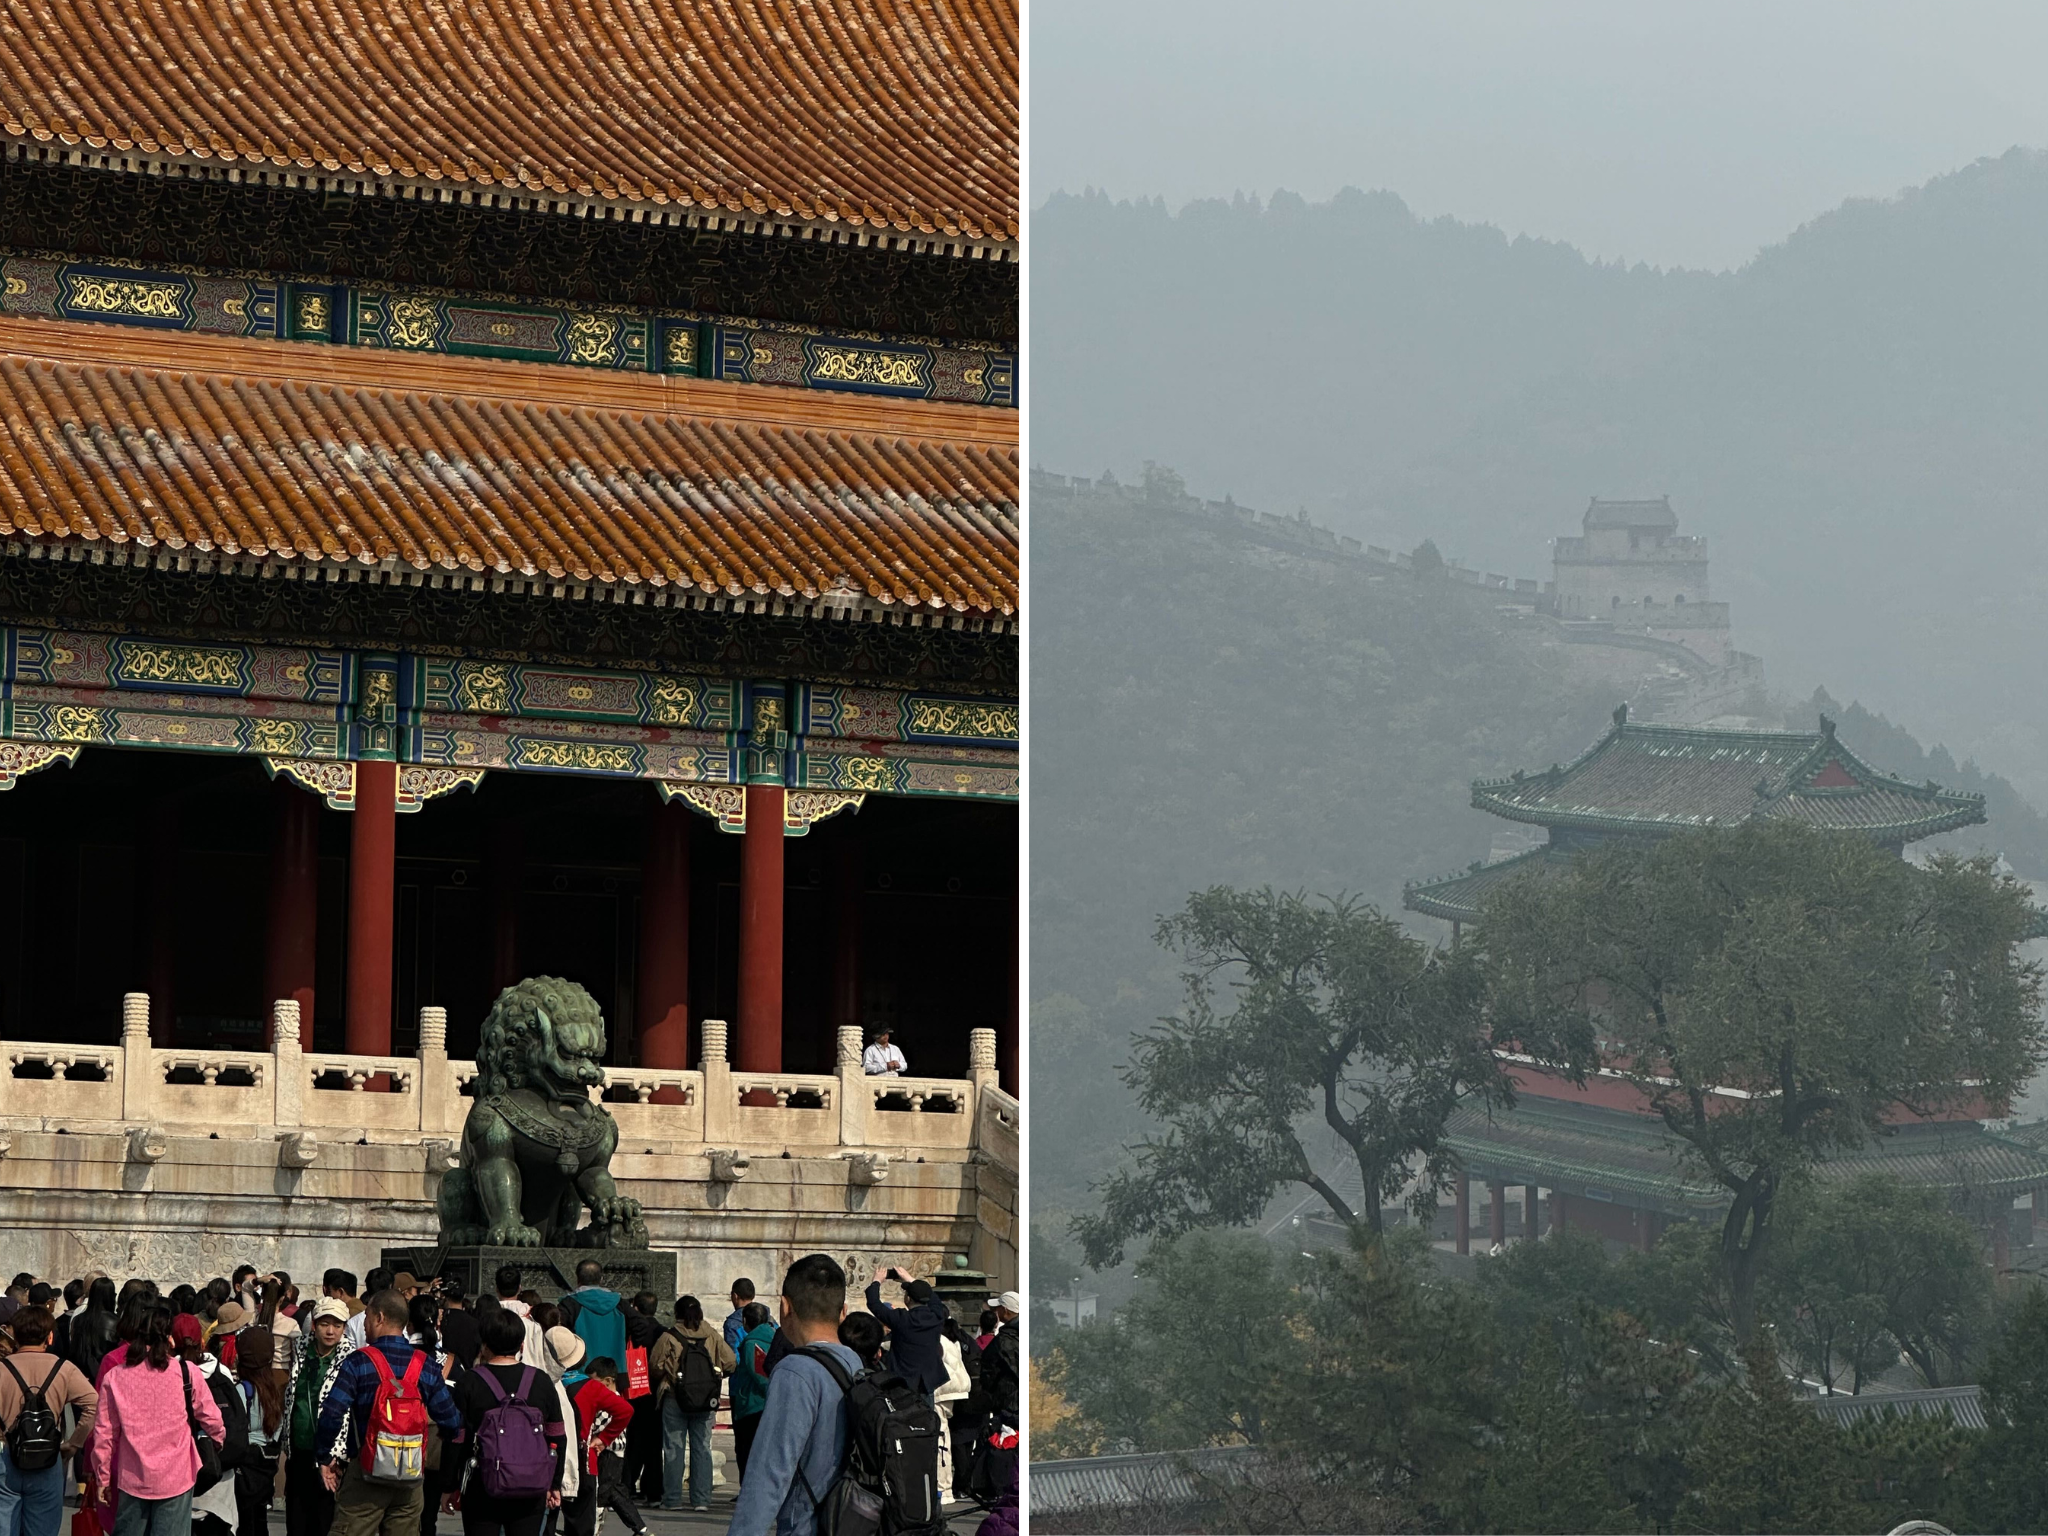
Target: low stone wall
{"type": "Point", "coordinates": [210, 1174]}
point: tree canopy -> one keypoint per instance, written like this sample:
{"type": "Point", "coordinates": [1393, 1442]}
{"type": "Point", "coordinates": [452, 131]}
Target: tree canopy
{"type": "Point", "coordinates": [1296, 1009]}
{"type": "Point", "coordinates": [1776, 994]}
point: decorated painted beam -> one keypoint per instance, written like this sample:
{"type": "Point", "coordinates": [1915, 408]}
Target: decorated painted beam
{"type": "Point", "coordinates": [425, 320]}
{"type": "Point", "coordinates": [68, 689]}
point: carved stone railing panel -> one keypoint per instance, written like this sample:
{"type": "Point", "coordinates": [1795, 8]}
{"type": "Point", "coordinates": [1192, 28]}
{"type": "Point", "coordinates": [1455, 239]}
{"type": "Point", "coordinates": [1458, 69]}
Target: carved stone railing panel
{"type": "Point", "coordinates": [61, 1096]}
{"type": "Point", "coordinates": [357, 1071]}
{"type": "Point", "coordinates": [211, 1065]}
{"type": "Point", "coordinates": [919, 1112]}
{"type": "Point", "coordinates": [790, 1123]}
{"type": "Point", "coordinates": [338, 1093]}
{"type": "Point", "coordinates": [785, 1086]}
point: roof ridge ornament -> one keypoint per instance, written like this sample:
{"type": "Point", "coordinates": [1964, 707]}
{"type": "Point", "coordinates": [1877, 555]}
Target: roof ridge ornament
{"type": "Point", "coordinates": [1621, 713]}
{"type": "Point", "coordinates": [1827, 727]}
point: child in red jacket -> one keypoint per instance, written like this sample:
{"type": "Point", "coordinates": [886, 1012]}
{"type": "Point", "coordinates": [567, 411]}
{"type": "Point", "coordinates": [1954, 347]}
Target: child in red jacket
{"type": "Point", "coordinates": [601, 1419]}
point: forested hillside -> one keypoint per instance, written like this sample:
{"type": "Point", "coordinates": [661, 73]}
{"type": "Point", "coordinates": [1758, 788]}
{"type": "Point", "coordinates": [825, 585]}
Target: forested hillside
{"type": "Point", "coordinates": [1848, 418]}
{"type": "Point", "coordinates": [1207, 711]}
{"type": "Point", "coordinates": [1204, 712]}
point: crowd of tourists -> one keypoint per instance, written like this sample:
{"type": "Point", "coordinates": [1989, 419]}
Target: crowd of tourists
{"type": "Point", "coordinates": [383, 1407]}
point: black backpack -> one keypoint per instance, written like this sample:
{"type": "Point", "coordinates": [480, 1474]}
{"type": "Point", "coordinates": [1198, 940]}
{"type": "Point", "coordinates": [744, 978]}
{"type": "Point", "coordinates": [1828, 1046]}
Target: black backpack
{"type": "Point", "coordinates": [36, 1438]}
{"type": "Point", "coordinates": [888, 1482]}
{"type": "Point", "coordinates": [697, 1383]}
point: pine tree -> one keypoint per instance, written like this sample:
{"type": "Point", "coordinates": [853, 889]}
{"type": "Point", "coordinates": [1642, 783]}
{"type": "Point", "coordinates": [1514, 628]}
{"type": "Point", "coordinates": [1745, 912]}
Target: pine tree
{"type": "Point", "coordinates": [1765, 1461]}
{"type": "Point", "coordinates": [2008, 1469]}
{"type": "Point", "coordinates": [1550, 1471]}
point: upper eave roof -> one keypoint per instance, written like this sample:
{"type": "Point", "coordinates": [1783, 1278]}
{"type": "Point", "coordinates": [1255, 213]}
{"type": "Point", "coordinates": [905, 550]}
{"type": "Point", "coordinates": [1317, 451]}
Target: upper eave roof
{"type": "Point", "coordinates": [1616, 1153]}
{"type": "Point", "coordinates": [1630, 514]}
{"type": "Point", "coordinates": [147, 447]}
{"type": "Point", "coordinates": [1672, 778]}
{"type": "Point", "coordinates": [1458, 898]}
{"type": "Point", "coordinates": [891, 121]}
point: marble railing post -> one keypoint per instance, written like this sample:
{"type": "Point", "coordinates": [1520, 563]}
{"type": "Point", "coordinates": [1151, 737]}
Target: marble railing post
{"type": "Point", "coordinates": [982, 1068]}
{"type": "Point", "coordinates": [718, 1100]}
{"type": "Point", "coordinates": [287, 1062]}
{"type": "Point", "coordinates": [138, 1067]}
{"type": "Point", "coordinates": [434, 1084]}
{"type": "Point", "coordinates": [855, 1098]}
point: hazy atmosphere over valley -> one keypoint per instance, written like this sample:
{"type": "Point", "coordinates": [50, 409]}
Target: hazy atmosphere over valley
{"type": "Point", "coordinates": [1397, 287]}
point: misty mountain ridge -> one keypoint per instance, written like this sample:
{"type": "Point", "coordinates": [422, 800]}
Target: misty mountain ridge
{"type": "Point", "coordinates": [1851, 417]}
{"type": "Point", "coordinates": [1249, 706]}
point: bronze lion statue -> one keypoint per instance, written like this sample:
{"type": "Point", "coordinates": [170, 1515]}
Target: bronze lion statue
{"type": "Point", "coordinates": [536, 1152]}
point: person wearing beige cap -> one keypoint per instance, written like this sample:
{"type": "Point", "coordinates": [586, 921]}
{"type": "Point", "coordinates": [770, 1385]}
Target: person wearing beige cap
{"type": "Point", "coordinates": [308, 1506]}
{"type": "Point", "coordinates": [227, 1322]}
{"type": "Point", "coordinates": [565, 1351]}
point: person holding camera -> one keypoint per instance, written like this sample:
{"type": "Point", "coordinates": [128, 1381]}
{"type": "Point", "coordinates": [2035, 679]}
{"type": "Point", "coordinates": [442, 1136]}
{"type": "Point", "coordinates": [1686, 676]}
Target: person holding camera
{"type": "Point", "coordinates": [914, 1331]}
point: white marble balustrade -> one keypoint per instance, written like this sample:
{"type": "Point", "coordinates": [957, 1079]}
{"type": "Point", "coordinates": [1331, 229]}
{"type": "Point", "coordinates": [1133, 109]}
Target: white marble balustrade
{"type": "Point", "coordinates": [289, 1094]}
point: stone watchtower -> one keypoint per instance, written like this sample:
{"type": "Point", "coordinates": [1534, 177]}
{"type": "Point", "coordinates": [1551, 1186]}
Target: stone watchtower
{"type": "Point", "coordinates": [1631, 567]}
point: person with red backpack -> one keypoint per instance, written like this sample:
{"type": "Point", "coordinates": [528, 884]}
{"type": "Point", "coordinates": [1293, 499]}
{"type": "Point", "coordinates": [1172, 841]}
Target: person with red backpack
{"type": "Point", "coordinates": [375, 1415]}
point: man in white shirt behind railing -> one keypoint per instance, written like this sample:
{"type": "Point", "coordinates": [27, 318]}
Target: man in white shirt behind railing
{"type": "Point", "coordinates": [883, 1059]}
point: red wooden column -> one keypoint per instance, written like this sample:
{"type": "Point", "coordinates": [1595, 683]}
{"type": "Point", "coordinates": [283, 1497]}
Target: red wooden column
{"type": "Point", "coordinates": [1560, 1217]}
{"type": "Point", "coordinates": [1463, 1187]}
{"type": "Point", "coordinates": [1646, 1230]}
{"type": "Point", "coordinates": [1530, 1214]}
{"type": "Point", "coordinates": [664, 982]}
{"type": "Point", "coordinates": [166, 902]}
{"type": "Point", "coordinates": [372, 876]}
{"type": "Point", "coordinates": [759, 1046]}
{"type": "Point", "coordinates": [2001, 1236]}
{"type": "Point", "coordinates": [293, 919]}
{"type": "Point", "coordinates": [1497, 1211]}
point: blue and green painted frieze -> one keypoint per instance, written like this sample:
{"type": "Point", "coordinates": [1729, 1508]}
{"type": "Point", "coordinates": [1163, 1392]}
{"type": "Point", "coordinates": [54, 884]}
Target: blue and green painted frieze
{"type": "Point", "coordinates": [494, 326]}
{"type": "Point", "coordinates": [62, 687]}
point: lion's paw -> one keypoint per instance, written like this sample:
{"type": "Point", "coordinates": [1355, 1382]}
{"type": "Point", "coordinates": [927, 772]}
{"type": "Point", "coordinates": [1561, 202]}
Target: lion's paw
{"type": "Point", "coordinates": [512, 1234]}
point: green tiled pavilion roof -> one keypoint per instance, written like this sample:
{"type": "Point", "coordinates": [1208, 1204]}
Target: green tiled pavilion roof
{"type": "Point", "coordinates": [1613, 1154]}
{"type": "Point", "coordinates": [1582, 1149]}
{"type": "Point", "coordinates": [1671, 778]}
{"type": "Point", "coordinates": [1458, 897]}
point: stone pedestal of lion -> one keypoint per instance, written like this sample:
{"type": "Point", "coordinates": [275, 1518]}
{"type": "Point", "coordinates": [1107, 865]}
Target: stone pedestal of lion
{"type": "Point", "coordinates": [535, 1158]}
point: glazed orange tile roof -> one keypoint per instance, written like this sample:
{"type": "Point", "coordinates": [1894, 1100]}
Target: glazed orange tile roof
{"type": "Point", "coordinates": [875, 118]}
{"type": "Point", "coordinates": [312, 461]}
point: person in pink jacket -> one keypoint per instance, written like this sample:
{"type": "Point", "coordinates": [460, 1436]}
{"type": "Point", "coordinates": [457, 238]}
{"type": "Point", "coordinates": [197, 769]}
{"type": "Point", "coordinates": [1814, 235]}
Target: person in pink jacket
{"type": "Point", "coordinates": [142, 1444]}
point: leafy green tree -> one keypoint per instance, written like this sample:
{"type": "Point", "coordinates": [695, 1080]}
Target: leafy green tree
{"type": "Point", "coordinates": [1573, 1311]}
{"type": "Point", "coordinates": [1765, 1462]}
{"type": "Point", "coordinates": [1911, 1467]}
{"type": "Point", "coordinates": [1425, 561]}
{"type": "Point", "coordinates": [1548, 1471]}
{"type": "Point", "coordinates": [1335, 1012]}
{"type": "Point", "coordinates": [1198, 1355]}
{"type": "Point", "coordinates": [1871, 1269]}
{"type": "Point", "coordinates": [2007, 1470]}
{"type": "Point", "coordinates": [1395, 1396]}
{"type": "Point", "coordinates": [1774, 993]}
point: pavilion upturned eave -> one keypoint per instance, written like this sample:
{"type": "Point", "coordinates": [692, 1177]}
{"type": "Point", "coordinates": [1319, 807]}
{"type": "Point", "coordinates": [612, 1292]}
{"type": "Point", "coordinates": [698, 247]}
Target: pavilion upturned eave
{"type": "Point", "coordinates": [1658, 780]}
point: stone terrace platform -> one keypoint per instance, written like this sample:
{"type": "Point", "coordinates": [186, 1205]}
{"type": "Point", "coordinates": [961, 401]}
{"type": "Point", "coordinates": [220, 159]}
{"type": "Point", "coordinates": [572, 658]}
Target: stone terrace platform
{"type": "Point", "coordinates": [180, 1164]}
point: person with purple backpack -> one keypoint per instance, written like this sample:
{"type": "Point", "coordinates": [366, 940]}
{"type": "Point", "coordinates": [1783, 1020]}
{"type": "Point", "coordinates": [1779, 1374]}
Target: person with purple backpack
{"type": "Point", "coordinates": [504, 1469]}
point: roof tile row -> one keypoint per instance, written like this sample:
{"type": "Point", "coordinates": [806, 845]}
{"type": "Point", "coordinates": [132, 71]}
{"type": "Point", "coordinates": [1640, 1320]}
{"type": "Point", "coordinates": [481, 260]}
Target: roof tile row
{"type": "Point", "coordinates": [876, 115]}
{"type": "Point", "coordinates": [239, 448]}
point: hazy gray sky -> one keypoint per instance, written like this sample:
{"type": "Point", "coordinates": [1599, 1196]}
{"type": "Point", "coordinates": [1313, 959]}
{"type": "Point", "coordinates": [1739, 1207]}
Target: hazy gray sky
{"type": "Point", "coordinates": [1674, 133]}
